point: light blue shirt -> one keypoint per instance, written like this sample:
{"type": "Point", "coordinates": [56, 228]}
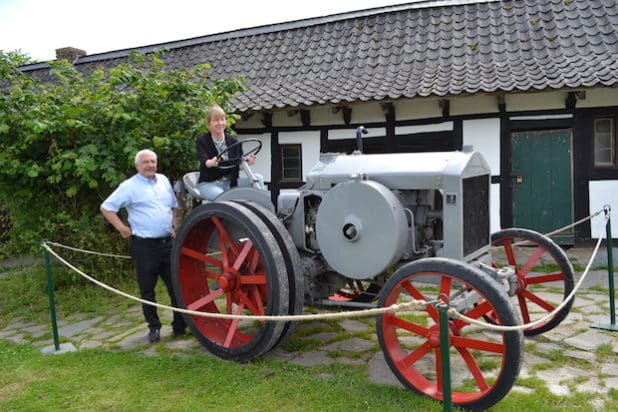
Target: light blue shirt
{"type": "Point", "coordinates": [149, 204]}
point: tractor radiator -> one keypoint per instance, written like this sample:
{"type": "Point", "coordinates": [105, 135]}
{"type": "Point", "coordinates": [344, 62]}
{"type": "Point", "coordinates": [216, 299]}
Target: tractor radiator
{"type": "Point", "coordinates": [475, 213]}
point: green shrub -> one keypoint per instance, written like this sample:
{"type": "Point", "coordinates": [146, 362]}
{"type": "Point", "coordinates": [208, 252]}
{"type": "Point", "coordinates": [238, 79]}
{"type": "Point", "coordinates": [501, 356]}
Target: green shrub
{"type": "Point", "coordinates": [66, 143]}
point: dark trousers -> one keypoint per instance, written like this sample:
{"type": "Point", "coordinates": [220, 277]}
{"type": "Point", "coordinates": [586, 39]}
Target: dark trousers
{"type": "Point", "coordinates": [152, 259]}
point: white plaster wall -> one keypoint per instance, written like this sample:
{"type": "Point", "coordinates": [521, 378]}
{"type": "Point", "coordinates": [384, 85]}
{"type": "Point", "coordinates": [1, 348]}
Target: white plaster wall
{"type": "Point", "coordinates": [282, 118]}
{"type": "Point", "coordinates": [484, 137]}
{"type": "Point", "coordinates": [473, 104]}
{"type": "Point", "coordinates": [599, 97]}
{"type": "Point", "coordinates": [367, 113]}
{"type": "Point", "coordinates": [310, 141]}
{"type": "Point", "coordinates": [494, 208]}
{"type": "Point", "coordinates": [603, 192]}
{"type": "Point", "coordinates": [262, 162]}
{"type": "Point", "coordinates": [419, 108]}
{"type": "Point", "coordinates": [535, 101]}
{"type": "Point", "coordinates": [324, 115]}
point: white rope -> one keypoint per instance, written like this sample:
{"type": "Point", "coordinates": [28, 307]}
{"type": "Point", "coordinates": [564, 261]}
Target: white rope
{"type": "Point", "coordinates": [582, 220]}
{"type": "Point", "coordinates": [575, 223]}
{"type": "Point", "coordinates": [412, 305]}
{"type": "Point", "coordinates": [60, 245]}
{"type": "Point", "coordinates": [453, 313]}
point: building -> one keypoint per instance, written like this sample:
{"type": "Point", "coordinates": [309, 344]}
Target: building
{"type": "Point", "coordinates": [529, 84]}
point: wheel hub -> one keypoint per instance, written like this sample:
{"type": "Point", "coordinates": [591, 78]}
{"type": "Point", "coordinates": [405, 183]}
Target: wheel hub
{"type": "Point", "coordinates": [433, 337]}
{"type": "Point", "coordinates": [521, 282]}
{"type": "Point", "coordinates": [228, 281]}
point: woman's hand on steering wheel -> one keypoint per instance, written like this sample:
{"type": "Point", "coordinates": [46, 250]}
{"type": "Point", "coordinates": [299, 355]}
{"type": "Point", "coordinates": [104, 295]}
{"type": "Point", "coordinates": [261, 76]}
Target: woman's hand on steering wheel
{"type": "Point", "coordinates": [230, 163]}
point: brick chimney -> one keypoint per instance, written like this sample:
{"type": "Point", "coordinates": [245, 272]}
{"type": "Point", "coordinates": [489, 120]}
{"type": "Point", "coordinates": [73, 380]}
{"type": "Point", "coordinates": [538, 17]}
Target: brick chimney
{"type": "Point", "coordinates": [69, 53]}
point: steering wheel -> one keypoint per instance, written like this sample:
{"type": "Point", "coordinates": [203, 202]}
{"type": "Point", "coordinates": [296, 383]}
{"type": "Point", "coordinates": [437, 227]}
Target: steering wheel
{"type": "Point", "coordinates": [230, 163]}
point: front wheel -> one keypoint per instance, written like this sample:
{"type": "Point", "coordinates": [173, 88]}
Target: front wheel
{"type": "Point", "coordinates": [543, 273]}
{"type": "Point", "coordinates": [484, 363]}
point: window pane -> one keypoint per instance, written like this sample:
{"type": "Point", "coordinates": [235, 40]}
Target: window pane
{"type": "Point", "coordinates": [604, 142]}
{"type": "Point", "coordinates": [291, 163]}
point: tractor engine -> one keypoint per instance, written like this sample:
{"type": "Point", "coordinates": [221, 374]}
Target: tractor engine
{"type": "Point", "coordinates": [360, 214]}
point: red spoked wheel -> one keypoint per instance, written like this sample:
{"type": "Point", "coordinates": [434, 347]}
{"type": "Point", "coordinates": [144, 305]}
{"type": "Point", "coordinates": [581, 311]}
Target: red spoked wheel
{"type": "Point", "coordinates": [543, 272]}
{"type": "Point", "coordinates": [285, 242]}
{"type": "Point", "coordinates": [225, 260]}
{"type": "Point", "coordinates": [484, 363]}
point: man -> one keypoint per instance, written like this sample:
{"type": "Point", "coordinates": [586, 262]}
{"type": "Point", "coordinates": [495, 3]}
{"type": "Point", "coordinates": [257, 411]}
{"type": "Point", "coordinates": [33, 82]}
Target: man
{"type": "Point", "coordinates": [151, 205]}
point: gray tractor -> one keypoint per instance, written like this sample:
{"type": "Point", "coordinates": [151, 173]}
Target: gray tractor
{"type": "Point", "coordinates": [372, 231]}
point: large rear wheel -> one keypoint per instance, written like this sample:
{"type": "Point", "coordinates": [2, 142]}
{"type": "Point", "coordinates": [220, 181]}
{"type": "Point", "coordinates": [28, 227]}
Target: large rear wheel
{"type": "Point", "coordinates": [484, 364]}
{"type": "Point", "coordinates": [543, 272]}
{"type": "Point", "coordinates": [226, 260]}
{"type": "Point", "coordinates": [285, 242]}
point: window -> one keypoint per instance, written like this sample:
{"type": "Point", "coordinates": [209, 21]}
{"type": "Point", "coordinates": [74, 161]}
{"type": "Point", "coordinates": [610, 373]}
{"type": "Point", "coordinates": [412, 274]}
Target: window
{"type": "Point", "coordinates": [604, 142]}
{"type": "Point", "coordinates": [291, 162]}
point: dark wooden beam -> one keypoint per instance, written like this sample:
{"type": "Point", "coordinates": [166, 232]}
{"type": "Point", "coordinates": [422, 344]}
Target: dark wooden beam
{"type": "Point", "coordinates": [246, 115]}
{"type": "Point", "coordinates": [570, 101]}
{"type": "Point", "coordinates": [388, 109]}
{"type": "Point", "coordinates": [501, 103]}
{"type": "Point", "coordinates": [267, 120]}
{"type": "Point", "coordinates": [445, 107]}
{"type": "Point", "coordinates": [347, 115]}
{"type": "Point", "coordinates": [305, 118]}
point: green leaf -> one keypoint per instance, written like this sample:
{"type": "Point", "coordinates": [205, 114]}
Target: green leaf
{"type": "Point", "coordinates": [159, 142]}
{"type": "Point", "coordinates": [33, 171]}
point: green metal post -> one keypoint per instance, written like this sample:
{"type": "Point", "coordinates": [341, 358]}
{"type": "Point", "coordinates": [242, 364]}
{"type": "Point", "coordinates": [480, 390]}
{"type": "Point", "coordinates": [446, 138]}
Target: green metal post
{"type": "Point", "coordinates": [446, 360]}
{"type": "Point", "coordinates": [610, 272]}
{"type": "Point", "coordinates": [52, 303]}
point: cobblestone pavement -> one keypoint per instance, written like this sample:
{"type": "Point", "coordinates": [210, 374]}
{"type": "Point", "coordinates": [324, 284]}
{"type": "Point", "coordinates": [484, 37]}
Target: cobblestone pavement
{"type": "Point", "coordinates": [354, 341]}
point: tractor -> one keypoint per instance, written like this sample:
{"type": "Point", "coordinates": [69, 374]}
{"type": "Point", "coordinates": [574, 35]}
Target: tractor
{"type": "Point", "coordinates": [366, 231]}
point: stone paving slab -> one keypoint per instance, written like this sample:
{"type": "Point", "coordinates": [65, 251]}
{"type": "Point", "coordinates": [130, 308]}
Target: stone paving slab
{"type": "Point", "coordinates": [590, 340]}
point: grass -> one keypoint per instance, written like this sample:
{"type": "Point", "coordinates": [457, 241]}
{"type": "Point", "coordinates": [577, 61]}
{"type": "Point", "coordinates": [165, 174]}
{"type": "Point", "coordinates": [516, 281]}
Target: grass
{"type": "Point", "coordinates": [109, 379]}
{"type": "Point", "coordinates": [101, 380]}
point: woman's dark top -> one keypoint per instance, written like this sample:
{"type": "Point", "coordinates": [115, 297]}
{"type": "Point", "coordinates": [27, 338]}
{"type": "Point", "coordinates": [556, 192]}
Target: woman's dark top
{"type": "Point", "coordinates": [206, 149]}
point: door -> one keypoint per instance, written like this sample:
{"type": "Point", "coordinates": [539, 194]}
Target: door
{"type": "Point", "coordinates": [542, 182]}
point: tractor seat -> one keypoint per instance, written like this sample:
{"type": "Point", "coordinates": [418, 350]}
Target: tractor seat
{"type": "Point", "coordinates": [190, 182]}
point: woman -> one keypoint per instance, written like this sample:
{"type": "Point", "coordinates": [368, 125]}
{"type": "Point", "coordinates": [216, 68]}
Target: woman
{"type": "Point", "coordinates": [213, 180]}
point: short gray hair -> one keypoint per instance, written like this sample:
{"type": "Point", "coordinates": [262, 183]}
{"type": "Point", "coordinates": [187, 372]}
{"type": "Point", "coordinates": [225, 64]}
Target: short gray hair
{"type": "Point", "coordinates": [143, 152]}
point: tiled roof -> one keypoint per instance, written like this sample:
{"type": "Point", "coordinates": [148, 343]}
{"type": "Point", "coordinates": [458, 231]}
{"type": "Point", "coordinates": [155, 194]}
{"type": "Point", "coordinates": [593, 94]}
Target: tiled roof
{"type": "Point", "coordinates": [433, 48]}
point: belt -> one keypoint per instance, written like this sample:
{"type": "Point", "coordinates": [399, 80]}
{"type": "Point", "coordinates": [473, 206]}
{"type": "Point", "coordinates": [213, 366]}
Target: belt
{"type": "Point", "coordinates": [163, 240]}
{"type": "Point", "coordinates": [223, 178]}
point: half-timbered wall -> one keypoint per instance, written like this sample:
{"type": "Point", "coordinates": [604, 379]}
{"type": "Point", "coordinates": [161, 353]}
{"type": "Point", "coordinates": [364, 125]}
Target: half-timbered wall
{"type": "Point", "coordinates": [485, 123]}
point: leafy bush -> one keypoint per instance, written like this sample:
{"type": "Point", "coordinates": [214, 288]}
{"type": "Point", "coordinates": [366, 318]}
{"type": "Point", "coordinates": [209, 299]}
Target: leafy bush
{"type": "Point", "coordinates": [67, 142]}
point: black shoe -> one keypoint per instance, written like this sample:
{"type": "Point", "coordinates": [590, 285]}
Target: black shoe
{"type": "Point", "coordinates": [179, 332]}
{"type": "Point", "coordinates": [153, 335]}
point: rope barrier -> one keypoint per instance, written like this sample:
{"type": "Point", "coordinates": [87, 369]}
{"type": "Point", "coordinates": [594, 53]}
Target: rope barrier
{"type": "Point", "coordinates": [453, 313]}
{"type": "Point", "coordinates": [406, 306]}
{"type": "Point", "coordinates": [90, 252]}
{"type": "Point", "coordinates": [570, 225]}
{"type": "Point", "coordinates": [412, 305]}
{"type": "Point", "coordinates": [576, 223]}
